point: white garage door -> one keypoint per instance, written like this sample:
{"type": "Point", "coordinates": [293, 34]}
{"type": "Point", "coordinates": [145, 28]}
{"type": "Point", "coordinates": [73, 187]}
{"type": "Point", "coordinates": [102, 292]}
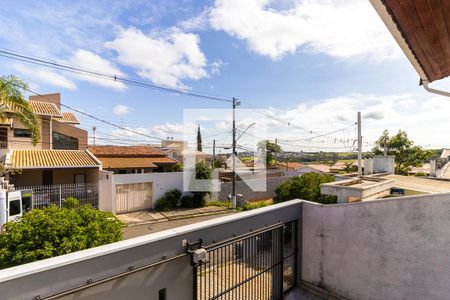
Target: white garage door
{"type": "Point", "coordinates": [132, 197]}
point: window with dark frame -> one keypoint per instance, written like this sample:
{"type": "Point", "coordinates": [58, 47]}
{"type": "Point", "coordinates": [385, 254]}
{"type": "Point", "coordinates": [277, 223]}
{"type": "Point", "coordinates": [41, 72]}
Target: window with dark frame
{"type": "Point", "coordinates": [64, 142]}
{"type": "Point", "coordinates": [22, 133]}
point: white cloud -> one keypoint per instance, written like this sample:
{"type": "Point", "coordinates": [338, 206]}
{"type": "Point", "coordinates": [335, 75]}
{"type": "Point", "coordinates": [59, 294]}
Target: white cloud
{"type": "Point", "coordinates": [167, 128]}
{"type": "Point", "coordinates": [216, 66]}
{"type": "Point", "coordinates": [87, 60]}
{"type": "Point", "coordinates": [121, 110]}
{"type": "Point", "coordinates": [338, 28]}
{"type": "Point", "coordinates": [419, 116]}
{"type": "Point", "coordinates": [166, 58]}
{"type": "Point", "coordinates": [46, 76]}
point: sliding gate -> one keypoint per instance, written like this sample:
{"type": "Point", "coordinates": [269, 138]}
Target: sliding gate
{"type": "Point", "coordinates": [258, 265]}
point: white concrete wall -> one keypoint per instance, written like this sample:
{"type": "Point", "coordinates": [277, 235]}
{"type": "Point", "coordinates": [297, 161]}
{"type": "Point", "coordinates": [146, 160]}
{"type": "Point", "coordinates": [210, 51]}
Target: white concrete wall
{"type": "Point", "coordinates": [58, 274]}
{"type": "Point", "coordinates": [384, 164]}
{"type": "Point", "coordinates": [384, 249]}
{"type": "Point", "coordinates": [106, 192]}
{"type": "Point", "coordinates": [162, 182]}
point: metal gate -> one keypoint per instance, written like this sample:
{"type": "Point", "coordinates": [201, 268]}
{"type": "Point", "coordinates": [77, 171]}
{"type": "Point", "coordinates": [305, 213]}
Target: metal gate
{"type": "Point", "coordinates": [132, 197]}
{"type": "Point", "coordinates": [258, 265]}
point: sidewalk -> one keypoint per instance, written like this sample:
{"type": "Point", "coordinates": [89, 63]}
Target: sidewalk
{"type": "Point", "coordinates": [150, 217]}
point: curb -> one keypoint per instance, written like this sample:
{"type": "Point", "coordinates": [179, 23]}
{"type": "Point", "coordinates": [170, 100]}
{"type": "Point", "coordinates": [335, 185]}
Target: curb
{"type": "Point", "coordinates": [168, 219]}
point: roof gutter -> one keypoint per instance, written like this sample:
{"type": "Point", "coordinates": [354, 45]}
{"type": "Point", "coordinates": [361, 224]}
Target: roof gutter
{"type": "Point", "coordinates": [434, 91]}
{"type": "Point", "coordinates": [397, 34]}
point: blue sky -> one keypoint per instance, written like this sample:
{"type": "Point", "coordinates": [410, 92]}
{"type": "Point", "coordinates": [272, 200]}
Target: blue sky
{"type": "Point", "coordinates": [308, 64]}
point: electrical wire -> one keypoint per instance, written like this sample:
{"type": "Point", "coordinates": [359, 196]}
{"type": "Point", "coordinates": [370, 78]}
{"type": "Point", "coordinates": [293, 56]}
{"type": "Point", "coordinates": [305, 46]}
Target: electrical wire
{"type": "Point", "coordinates": [63, 67]}
{"type": "Point", "coordinates": [88, 115]}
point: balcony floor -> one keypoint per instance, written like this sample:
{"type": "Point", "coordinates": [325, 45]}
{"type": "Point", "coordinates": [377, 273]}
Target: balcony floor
{"type": "Point", "coordinates": [301, 294]}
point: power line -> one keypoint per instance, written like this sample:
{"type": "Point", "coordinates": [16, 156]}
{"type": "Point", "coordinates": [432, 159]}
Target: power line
{"type": "Point", "coordinates": [86, 114]}
{"type": "Point", "coordinates": [317, 136]}
{"type": "Point", "coordinates": [63, 67]}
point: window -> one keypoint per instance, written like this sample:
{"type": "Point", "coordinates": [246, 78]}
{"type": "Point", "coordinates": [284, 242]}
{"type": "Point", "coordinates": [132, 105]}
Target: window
{"type": "Point", "coordinates": [64, 142]}
{"type": "Point", "coordinates": [80, 178]}
{"type": "Point", "coordinates": [14, 208]}
{"type": "Point", "coordinates": [22, 133]}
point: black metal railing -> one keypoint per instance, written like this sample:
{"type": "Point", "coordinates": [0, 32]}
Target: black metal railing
{"type": "Point", "coordinates": [259, 265]}
{"type": "Point", "coordinates": [44, 195]}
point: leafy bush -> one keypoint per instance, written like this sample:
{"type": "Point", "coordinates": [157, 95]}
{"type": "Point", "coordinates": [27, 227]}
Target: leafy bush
{"type": "Point", "coordinates": [169, 200]}
{"type": "Point", "coordinates": [306, 187]}
{"type": "Point", "coordinates": [178, 167]}
{"type": "Point", "coordinates": [196, 200]}
{"type": "Point", "coordinates": [256, 204]}
{"type": "Point", "coordinates": [420, 174]}
{"type": "Point", "coordinates": [71, 202]}
{"type": "Point", "coordinates": [48, 232]}
{"type": "Point", "coordinates": [187, 201]}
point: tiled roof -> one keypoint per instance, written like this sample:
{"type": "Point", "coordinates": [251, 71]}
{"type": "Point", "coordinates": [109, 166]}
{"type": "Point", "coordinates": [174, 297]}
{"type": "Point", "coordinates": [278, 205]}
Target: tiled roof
{"type": "Point", "coordinates": [445, 153]}
{"type": "Point", "coordinates": [291, 165]}
{"type": "Point", "coordinates": [124, 151]}
{"type": "Point", "coordinates": [29, 159]}
{"type": "Point", "coordinates": [68, 117]}
{"type": "Point", "coordinates": [6, 121]}
{"type": "Point", "coordinates": [127, 162]}
{"type": "Point", "coordinates": [318, 167]}
{"type": "Point", "coordinates": [163, 160]}
{"type": "Point", "coordinates": [45, 109]}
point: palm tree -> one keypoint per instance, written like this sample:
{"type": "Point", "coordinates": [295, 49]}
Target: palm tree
{"type": "Point", "coordinates": [13, 101]}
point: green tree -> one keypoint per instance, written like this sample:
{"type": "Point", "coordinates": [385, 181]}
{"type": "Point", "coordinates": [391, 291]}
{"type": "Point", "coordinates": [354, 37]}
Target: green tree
{"type": "Point", "coordinates": [349, 167]}
{"type": "Point", "coordinates": [178, 167]}
{"type": "Point", "coordinates": [49, 232]}
{"type": "Point", "coordinates": [13, 101]}
{"type": "Point", "coordinates": [202, 171]}
{"type": "Point", "coordinates": [306, 187]}
{"type": "Point", "coordinates": [270, 149]}
{"type": "Point", "coordinates": [406, 154]}
{"type": "Point", "coordinates": [199, 139]}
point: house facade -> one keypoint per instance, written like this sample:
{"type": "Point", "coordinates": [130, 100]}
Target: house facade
{"type": "Point", "coordinates": [60, 156]}
{"type": "Point", "coordinates": [132, 159]}
{"type": "Point", "coordinates": [177, 150]}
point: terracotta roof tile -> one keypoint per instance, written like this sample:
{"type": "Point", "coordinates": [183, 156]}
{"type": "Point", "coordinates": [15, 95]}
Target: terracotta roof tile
{"type": "Point", "coordinates": [68, 117]}
{"type": "Point", "coordinates": [124, 151]}
{"type": "Point", "coordinates": [126, 162]}
{"type": "Point", "coordinates": [26, 159]}
{"type": "Point", "coordinates": [319, 167]}
{"type": "Point", "coordinates": [163, 160]}
{"type": "Point", "coordinates": [45, 109]}
{"type": "Point", "coordinates": [291, 165]}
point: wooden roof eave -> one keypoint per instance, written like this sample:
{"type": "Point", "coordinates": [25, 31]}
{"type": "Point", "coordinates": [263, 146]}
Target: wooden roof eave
{"type": "Point", "coordinates": [398, 36]}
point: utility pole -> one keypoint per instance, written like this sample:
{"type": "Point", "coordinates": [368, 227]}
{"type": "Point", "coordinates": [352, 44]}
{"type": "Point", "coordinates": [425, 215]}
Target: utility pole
{"type": "Point", "coordinates": [385, 146]}
{"type": "Point", "coordinates": [233, 190]}
{"type": "Point", "coordinates": [214, 155]}
{"type": "Point", "coordinates": [359, 146]}
{"type": "Point", "coordinates": [94, 129]}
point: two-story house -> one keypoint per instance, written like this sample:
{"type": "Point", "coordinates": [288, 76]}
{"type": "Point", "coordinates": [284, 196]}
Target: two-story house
{"type": "Point", "coordinates": [60, 157]}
